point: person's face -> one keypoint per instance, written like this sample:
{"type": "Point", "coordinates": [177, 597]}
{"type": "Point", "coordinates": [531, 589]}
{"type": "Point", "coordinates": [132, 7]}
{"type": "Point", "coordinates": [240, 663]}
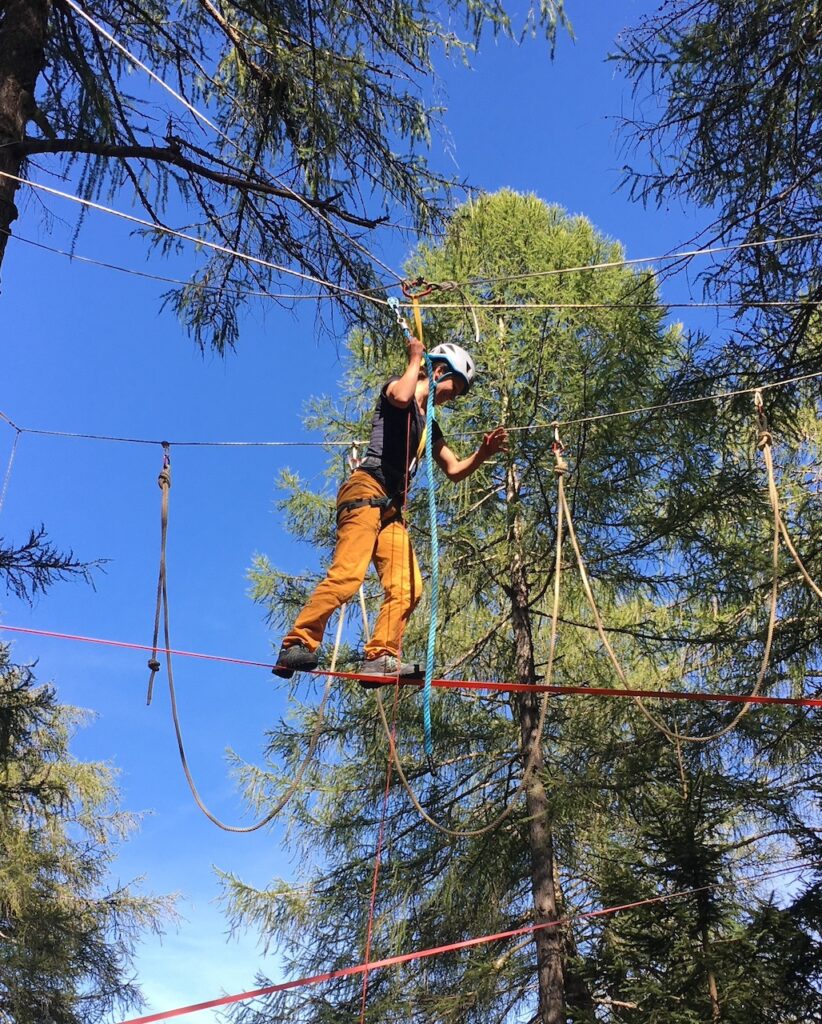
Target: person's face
{"type": "Point", "coordinates": [448, 389]}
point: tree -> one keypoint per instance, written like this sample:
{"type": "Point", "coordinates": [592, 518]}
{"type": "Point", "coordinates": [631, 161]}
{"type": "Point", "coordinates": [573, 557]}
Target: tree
{"type": "Point", "coordinates": [728, 117]}
{"type": "Point", "coordinates": [66, 936]}
{"type": "Point", "coordinates": [30, 568]}
{"type": "Point", "coordinates": [657, 503]}
{"type": "Point", "coordinates": [681, 570]}
{"type": "Point", "coordinates": [319, 118]}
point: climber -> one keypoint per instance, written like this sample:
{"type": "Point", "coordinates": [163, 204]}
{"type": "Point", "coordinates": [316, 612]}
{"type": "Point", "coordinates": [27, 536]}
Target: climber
{"type": "Point", "coordinates": [370, 503]}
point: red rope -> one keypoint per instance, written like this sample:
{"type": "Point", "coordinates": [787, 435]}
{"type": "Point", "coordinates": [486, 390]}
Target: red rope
{"type": "Point", "coordinates": [390, 765]}
{"type": "Point", "coordinates": [393, 961]}
{"type": "Point", "coordinates": [452, 684]}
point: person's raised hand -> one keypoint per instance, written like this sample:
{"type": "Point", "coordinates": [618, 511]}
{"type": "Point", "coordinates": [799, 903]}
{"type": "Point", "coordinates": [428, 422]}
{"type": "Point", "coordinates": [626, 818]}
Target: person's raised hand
{"type": "Point", "coordinates": [495, 441]}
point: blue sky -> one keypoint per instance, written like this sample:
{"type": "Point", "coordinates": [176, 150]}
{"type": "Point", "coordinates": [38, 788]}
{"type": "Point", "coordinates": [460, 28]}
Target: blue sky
{"type": "Point", "coordinates": [88, 350]}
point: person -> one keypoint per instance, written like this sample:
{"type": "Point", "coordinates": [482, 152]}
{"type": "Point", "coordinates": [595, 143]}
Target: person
{"type": "Point", "coordinates": [370, 524]}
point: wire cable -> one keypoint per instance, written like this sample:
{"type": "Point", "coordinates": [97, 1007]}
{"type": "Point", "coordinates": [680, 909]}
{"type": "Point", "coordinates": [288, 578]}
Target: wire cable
{"type": "Point", "coordinates": [611, 264]}
{"type": "Point", "coordinates": [546, 425]}
{"type": "Point", "coordinates": [204, 243]}
{"type": "Point", "coordinates": [798, 302]}
{"type": "Point", "coordinates": [200, 285]}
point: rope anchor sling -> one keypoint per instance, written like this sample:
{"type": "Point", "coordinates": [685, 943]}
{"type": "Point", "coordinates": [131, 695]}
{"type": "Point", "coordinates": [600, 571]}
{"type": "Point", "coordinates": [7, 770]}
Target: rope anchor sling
{"type": "Point", "coordinates": [164, 481]}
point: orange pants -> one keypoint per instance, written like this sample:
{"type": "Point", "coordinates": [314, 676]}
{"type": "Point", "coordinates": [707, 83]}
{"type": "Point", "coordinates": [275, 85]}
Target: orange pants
{"type": "Point", "coordinates": [365, 534]}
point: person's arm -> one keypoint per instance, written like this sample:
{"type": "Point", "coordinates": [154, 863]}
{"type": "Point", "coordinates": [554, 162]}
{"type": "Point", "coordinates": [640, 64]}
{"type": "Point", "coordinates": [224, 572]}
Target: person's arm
{"type": "Point", "coordinates": [401, 391]}
{"type": "Point", "coordinates": [458, 469]}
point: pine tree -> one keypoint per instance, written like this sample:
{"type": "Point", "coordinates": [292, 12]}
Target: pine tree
{"type": "Point", "coordinates": [671, 514]}
{"type": "Point", "coordinates": [67, 936]}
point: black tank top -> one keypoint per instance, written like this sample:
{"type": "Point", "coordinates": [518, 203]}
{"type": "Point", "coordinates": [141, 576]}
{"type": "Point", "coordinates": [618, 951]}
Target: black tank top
{"type": "Point", "coordinates": [391, 451]}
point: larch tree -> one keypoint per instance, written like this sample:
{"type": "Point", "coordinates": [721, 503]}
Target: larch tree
{"type": "Point", "coordinates": [67, 932]}
{"type": "Point", "coordinates": [728, 116]}
{"type": "Point", "coordinates": [320, 119]}
{"type": "Point", "coordinates": [610, 810]}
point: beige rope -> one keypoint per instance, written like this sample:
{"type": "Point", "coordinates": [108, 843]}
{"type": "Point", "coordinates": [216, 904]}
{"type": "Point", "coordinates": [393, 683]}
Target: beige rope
{"type": "Point", "coordinates": [672, 734]}
{"type": "Point", "coordinates": [164, 480]}
{"type": "Point", "coordinates": [765, 442]}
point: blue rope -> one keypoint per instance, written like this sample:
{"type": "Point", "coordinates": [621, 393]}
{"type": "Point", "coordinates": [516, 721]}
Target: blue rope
{"type": "Point", "coordinates": [435, 557]}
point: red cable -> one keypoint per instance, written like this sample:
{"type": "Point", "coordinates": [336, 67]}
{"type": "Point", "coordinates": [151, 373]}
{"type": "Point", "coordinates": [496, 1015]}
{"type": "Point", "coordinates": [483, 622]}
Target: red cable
{"type": "Point", "coordinates": [454, 684]}
{"type": "Point", "coordinates": [393, 961]}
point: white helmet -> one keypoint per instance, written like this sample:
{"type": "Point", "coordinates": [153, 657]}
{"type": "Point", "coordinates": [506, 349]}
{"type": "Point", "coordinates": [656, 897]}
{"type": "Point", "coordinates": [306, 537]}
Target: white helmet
{"type": "Point", "coordinates": [458, 361]}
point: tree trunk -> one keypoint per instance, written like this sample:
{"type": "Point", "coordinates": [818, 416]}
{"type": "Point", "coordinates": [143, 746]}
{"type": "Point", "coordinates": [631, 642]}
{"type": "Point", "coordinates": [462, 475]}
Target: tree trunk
{"type": "Point", "coordinates": [22, 58]}
{"type": "Point", "coordinates": [550, 967]}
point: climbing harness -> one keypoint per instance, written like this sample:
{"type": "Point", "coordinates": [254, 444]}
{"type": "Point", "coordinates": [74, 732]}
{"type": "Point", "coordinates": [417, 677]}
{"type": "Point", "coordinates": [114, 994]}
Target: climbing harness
{"type": "Point", "coordinates": [164, 481]}
{"type": "Point", "coordinates": [374, 502]}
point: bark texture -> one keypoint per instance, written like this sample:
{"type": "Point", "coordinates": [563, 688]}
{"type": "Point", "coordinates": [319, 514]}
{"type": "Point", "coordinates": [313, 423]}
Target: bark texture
{"type": "Point", "coordinates": [23, 26]}
{"type": "Point", "coordinates": [549, 941]}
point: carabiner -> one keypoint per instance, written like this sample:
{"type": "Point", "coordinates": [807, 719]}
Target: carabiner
{"type": "Point", "coordinates": [422, 286]}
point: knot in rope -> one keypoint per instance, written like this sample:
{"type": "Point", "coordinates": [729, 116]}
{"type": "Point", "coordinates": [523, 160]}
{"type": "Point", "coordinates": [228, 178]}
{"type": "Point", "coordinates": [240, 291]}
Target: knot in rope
{"type": "Point", "coordinates": [557, 447]}
{"type": "Point", "coordinates": [765, 439]}
{"type": "Point", "coordinates": [164, 476]}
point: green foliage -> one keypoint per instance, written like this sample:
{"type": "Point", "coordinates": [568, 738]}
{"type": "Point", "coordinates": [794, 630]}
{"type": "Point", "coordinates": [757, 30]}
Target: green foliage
{"type": "Point", "coordinates": [672, 516]}
{"type": "Point", "coordinates": [66, 936]}
{"type": "Point", "coordinates": [323, 110]}
{"type": "Point", "coordinates": [29, 569]}
{"type": "Point", "coordinates": [728, 99]}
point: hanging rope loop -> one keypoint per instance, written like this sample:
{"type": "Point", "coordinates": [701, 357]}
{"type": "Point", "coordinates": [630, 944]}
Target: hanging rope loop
{"type": "Point", "coordinates": [164, 483]}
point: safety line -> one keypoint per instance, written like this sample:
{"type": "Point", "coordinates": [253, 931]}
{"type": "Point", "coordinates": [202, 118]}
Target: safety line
{"type": "Point", "coordinates": [200, 285]}
{"type": "Point", "coordinates": [445, 684]}
{"type": "Point", "coordinates": [178, 444]}
{"type": "Point", "coordinates": [215, 128]}
{"type": "Point", "coordinates": [420, 954]}
{"type": "Point", "coordinates": [204, 243]}
{"type": "Point", "coordinates": [492, 306]}
{"type": "Point", "coordinates": [501, 306]}
{"type": "Point", "coordinates": [708, 251]}
{"type": "Point", "coordinates": [662, 407]}
{"type": "Point", "coordinates": [719, 396]}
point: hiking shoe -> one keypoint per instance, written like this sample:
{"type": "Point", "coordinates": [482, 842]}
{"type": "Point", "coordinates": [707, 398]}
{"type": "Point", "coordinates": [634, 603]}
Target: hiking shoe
{"type": "Point", "coordinates": [296, 658]}
{"type": "Point", "coordinates": [387, 665]}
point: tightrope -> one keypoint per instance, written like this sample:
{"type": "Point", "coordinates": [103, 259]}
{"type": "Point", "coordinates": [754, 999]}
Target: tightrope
{"type": "Point", "coordinates": [393, 961]}
{"type": "Point", "coordinates": [491, 686]}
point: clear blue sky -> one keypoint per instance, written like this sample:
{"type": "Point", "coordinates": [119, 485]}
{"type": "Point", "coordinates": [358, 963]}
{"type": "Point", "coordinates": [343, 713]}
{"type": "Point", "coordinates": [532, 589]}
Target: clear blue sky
{"type": "Point", "coordinates": [88, 350]}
